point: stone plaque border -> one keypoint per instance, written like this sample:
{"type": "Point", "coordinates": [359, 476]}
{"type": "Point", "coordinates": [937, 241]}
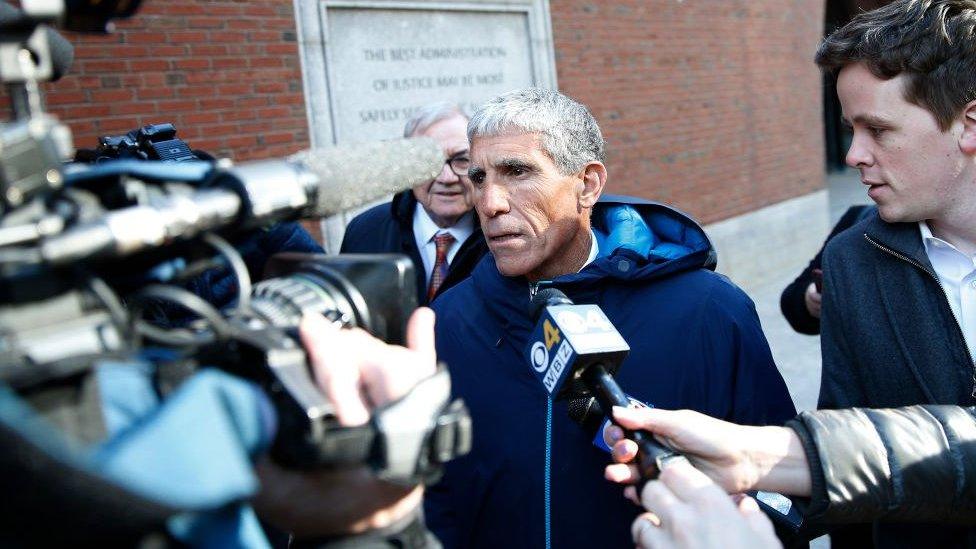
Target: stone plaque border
{"type": "Point", "coordinates": [312, 24]}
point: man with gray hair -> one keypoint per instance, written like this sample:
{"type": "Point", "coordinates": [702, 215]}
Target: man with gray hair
{"type": "Point", "coordinates": [441, 236]}
{"type": "Point", "coordinates": [534, 478]}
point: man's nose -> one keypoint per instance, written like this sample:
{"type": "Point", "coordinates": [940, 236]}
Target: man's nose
{"type": "Point", "coordinates": [491, 201]}
{"type": "Point", "coordinates": [858, 155]}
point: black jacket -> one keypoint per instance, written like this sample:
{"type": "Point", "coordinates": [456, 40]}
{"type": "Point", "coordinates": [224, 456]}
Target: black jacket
{"type": "Point", "coordinates": [907, 464]}
{"type": "Point", "coordinates": [388, 228]}
{"type": "Point", "coordinates": [793, 300]}
{"type": "Point", "coordinates": [889, 339]}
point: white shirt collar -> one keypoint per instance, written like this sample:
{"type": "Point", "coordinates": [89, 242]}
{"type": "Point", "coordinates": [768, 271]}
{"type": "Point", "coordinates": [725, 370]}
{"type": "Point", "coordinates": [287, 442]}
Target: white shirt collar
{"type": "Point", "coordinates": [928, 239]}
{"type": "Point", "coordinates": [935, 246]}
{"type": "Point", "coordinates": [594, 250]}
{"type": "Point", "coordinates": [956, 272]}
{"type": "Point", "coordinates": [424, 227]}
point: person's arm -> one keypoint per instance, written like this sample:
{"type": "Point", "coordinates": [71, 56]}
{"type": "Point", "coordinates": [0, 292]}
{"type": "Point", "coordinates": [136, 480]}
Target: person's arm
{"type": "Point", "coordinates": [737, 457]}
{"type": "Point", "coordinates": [800, 300]}
{"type": "Point", "coordinates": [904, 464]}
{"type": "Point", "coordinates": [349, 235]}
{"type": "Point", "coordinates": [793, 300]}
{"type": "Point", "coordinates": [733, 334]}
{"type": "Point", "coordinates": [857, 465]}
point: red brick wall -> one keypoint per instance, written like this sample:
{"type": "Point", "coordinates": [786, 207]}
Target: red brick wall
{"type": "Point", "coordinates": [227, 74]}
{"type": "Point", "coordinates": [712, 106]}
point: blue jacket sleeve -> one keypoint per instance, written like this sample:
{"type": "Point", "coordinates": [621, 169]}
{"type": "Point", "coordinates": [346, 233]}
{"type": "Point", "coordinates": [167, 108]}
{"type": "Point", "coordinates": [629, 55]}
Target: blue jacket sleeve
{"type": "Point", "coordinates": [732, 328]}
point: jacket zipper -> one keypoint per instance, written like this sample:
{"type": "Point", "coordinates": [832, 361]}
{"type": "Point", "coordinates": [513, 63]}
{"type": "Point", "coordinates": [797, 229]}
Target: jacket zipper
{"type": "Point", "coordinates": [910, 261]}
{"type": "Point", "coordinates": [534, 288]}
{"type": "Point", "coordinates": [548, 474]}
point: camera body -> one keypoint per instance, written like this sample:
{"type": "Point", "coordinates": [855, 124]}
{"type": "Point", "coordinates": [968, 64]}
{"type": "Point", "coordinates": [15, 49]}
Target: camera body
{"type": "Point", "coordinates": [97, 261]}
{"type": "Point", "coordinates": [150, 142]}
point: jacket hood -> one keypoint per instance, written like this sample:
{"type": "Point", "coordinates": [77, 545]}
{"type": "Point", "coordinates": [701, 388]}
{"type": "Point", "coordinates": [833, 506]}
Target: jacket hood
{"type": "Point", "coordinates": [657, 238]}
{"type": "Point", "coordinates": [639, 240]}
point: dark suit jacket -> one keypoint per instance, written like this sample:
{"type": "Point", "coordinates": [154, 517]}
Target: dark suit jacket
{"type": "Point", "coordinates": [388, 228]}
{"type": "Point", "coordinates": [889, 339]}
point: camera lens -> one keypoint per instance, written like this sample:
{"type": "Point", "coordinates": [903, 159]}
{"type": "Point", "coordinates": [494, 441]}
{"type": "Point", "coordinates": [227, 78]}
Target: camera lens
{"type": "Point", "coordinates": [282, 301]}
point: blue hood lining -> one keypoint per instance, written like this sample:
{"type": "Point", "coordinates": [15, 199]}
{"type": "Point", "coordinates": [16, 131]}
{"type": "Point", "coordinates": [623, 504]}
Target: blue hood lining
{"type": "Point", "coordinates": [658, 236]}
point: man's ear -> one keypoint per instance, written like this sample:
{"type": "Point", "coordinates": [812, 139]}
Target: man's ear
{"type": "Point", "coordinates": [594, 177]}
{"type": "Point", "coordinates": [967, 141]}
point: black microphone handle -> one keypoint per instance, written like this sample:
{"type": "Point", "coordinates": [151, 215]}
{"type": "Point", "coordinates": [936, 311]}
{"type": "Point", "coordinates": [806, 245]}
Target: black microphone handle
{"type": "Point", "coordinates": [650, 453]}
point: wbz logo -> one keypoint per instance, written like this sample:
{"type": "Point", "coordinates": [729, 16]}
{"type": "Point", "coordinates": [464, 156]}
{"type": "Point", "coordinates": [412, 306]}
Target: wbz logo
{"type": "Point", "coordinates": [558, 328]}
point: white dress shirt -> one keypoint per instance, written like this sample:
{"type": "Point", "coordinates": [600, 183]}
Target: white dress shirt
{"type": "Point", "coordinates": [957, 274]}
{"type": "Point", "coordinates": [594, 250]}
{"type": "Point", "coordinates": [424, 231]}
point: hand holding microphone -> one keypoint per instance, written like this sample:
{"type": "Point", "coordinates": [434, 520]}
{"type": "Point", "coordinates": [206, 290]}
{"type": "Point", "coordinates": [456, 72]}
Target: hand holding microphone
{"type": "Point", "coordinates": [738, 458]}
{"type": "Point", "coordinates": [727, 458]}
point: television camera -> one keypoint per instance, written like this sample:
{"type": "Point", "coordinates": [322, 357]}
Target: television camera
{"type": "Point", "coordinates": [91, 254]}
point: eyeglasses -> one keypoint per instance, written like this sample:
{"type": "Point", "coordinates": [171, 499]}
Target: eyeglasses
{"type": "Point", "coordinates": [459, 164]}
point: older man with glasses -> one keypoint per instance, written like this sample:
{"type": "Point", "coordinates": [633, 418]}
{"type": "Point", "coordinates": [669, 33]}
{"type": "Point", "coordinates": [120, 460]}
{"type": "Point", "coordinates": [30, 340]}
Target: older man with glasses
{"type": "Point", "coordinates": [442, 236]}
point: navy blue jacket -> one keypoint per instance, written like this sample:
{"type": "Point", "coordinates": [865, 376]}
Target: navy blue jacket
{"type": "Point", "coordinates": [533, 477]}
{"type": "Point", "coordinates": [388, 228]}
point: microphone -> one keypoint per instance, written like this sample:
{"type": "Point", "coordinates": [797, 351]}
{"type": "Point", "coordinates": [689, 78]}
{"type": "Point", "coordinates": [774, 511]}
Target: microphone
{"type": "Point", "coordinates": [590, 412]}
{"type": "Point", "coordinates": [313, 183]}
{"type": "Point", "coordinates": [353, 175]}
{"type": "Point", "coordinates": [579, 342]}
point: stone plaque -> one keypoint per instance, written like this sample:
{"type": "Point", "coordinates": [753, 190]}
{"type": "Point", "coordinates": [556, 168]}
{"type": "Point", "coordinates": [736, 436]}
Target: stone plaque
{"type": "Point", "coordinates": [384, 64]}
{"type": "Point", "coordinates": [368, 65]}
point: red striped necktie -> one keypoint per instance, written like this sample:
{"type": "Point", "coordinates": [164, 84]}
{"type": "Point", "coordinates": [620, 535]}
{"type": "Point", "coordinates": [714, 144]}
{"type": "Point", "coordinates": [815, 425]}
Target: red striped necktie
{"type": "Point", "coordinates": [443, 242]}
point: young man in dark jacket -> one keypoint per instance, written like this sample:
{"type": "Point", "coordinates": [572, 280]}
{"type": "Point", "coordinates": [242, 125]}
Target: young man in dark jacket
{"type": "Point", "coordinates": [432, 223]}
{"type": "Point", "coordinates": [533, 477]}
{"type": "Point", "coordinates": [899, 305]}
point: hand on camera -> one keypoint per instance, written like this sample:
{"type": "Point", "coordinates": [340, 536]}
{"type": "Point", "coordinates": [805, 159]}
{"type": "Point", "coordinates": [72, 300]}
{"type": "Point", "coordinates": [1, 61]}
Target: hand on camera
{"type": "Point", "coordinates": [358, 373]}
{"type": "Point", "coordinates": [687, 510]}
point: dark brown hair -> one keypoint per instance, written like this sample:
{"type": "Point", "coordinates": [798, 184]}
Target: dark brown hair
{"type": "Point", "coordinates": [932, 41]}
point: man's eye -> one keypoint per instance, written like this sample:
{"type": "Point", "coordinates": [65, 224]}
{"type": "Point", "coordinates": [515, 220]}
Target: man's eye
{"type": "Point", "coordinates": [876, 132]}
{"type": "Point", "coordinates": [460, 163]}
